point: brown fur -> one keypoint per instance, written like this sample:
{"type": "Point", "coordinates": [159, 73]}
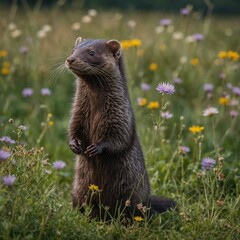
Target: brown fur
{"type": "Point", "coordinates": [102, 131]}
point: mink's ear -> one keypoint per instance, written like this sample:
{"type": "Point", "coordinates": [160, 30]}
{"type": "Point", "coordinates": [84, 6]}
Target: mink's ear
{"type": "Point", "coordinates": [78, 40]}
{"type": "Point", "coordinates": [116, 47]}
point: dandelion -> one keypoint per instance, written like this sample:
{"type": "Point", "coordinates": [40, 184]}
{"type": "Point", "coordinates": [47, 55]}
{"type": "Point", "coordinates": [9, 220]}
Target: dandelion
{"type": "Point", "coordinates": [16, 33]}
{"type": "Point", "coordinates": [210, 111]}
{"type": "Point", "coordinates": [131, 23]}
{"type": "Point", "coordinates": [59, 164]}
{"type": "Point", "coordinates": [5, 71]}
{"type": "Point", "coordinates": [142, 102]}
{"type": "Point", "coordinates": [153, 105]}
{"type": "Point", "coordinates": [7, 139]}
{"type": "Point", "coordinates": [184, 149]}
{"type": "Point", "coordinates": [233, 113]}
{"type": "Point", "coordinates": [92, 12]}
{"type": "Point", "coordinates": [135, 42]}
{"type": "Point", "coordinates": [233, 55]}
{"type": "Point", "coordinates": [194, 61]}
{"type": "Point", "coordinates": [138, 219]}
{"type": "Point", "coordinates": [165, 88]}
{"type": "Point", "coordinates": [46, 92]}
{"type": "Point", "coordinates": [208, 87]}
{"type": "Point", "coordinates": [195, 129]}
{"type": "Point", "coordinates": [207, 163]}
{"type": "Point", "coordinates": [198, 37]}
{"type": "Point", "coordinates": [166, 115]}
{"type": "Point", "coordinates": [177, 35]}
{"type": "Point", "coordinates": [9, 180]}
{"type": "Point", "coordinates": [27, 92]}
{"type": "Point", "coordinates": [222, 55]}
{"type": "Point", "coordinates": [93, 187]}
{"type": "Point", "coordinates": [3, 53]}
{"type": "Point", "coordinates": [86, 19]}
{"type": "Point", "coordinates": [224, 100]}
{"type": "Point", "coordinates": [153, 67]}
{"type": "Point", "coordinates": [165, 22]}
{"type": "Point", "coordinates": [50, 123]}
{"type": "Point", "coordinates": [4, 155]}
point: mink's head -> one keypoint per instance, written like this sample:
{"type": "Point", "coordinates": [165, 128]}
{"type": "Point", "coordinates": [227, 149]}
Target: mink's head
{"type": "Point", "coordinates": [97, 58]}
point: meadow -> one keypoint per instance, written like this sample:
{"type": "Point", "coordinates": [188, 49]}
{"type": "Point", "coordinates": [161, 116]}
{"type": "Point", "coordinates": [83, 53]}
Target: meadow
{"type": "Point", "coordinates": [190, 138]}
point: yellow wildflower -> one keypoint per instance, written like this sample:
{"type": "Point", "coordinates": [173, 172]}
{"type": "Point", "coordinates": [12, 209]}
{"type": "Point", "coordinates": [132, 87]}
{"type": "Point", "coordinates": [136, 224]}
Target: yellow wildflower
{"type": "Point", "coordinates": [50, 123]}
{"type": "Point", "coordinates": [153, 66]}
{"type": "Point", "coordinates": [223, 101]}
{"type": "Point", "coordinates": [135, 42]}
{"type": "Point", "coordinates": [233, 55]}
{"type": "Point", "coordinates": [5, 71]}
{"type": "Point", "coordinates": [196, 129]}
{"type": "Point", "coordinates": [93, 187]}
{"type": "Point", "coordinates": [194, 61]}
{"type": "Point", "coordinates": [142, 102]}
{"type": "Point", "coordinates": [125, 44]}
{"type": "Point", "coordinates": [138, 218]}
{"type": "Point", "coordinates": [6, 64]}
{"type": "Point", "coordinates": [50, 115]}
{"type": "Point", "coordinates": [222, 54]}
{"type": "Point", "coordinates": [3, 53]}
{"type": "Point", "coordinates": [153, 105]}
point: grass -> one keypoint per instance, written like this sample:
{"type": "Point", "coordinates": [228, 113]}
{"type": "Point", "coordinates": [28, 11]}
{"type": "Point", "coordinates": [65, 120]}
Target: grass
{"type": "Point", "coordinates": [38, 204]}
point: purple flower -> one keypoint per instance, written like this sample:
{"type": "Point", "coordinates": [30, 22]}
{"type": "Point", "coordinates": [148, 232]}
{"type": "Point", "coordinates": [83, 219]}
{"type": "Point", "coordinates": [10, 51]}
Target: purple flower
{"type": "Point", "coordinates": [236, 90]}
{"type": "Point", "coordinates": [165, 22]}
{"type": "Point", "coordinates": [208, 163]}
{"type": "Point", "coordinates": [184, 149]}
{"type": "Point", "coordinates": [7, 139]}
{"type": "Point", "coordinates": [46, 92]}
{"type": "Point", "coordinates": [166, 115]}
{"type": "Point", "coordinates": [27, 92]}
{"type": "Point", "coordinates": [4, 154]}
{"type": "Point", "coordinates": [184, 11]}
{"type": "Point", "coordinates": [177, 80]}
{"type": "Point", "coordinates": [233, 113]}
{"type": "Point", "coordinates": [145, 86]}
{"type": "Point", "coordinates": [23, 50]}
{"type": "Point", "coordinates": [198, 37]}
{"type": "Point", "coordinates": [9, 180]}
{"type": "Point", "coordinates": [165, 88]}
{"type": "Point", "coordinates": [208, 87]}
{"type": "Point", "coordinates": [59, 164]}
{"type": "Point", "coordinates": [222, 75]}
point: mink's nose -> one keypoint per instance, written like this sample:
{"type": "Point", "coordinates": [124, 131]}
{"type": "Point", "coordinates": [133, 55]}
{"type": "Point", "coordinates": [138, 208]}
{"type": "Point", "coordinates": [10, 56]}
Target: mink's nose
{"type": "Point", "coordinates": [70, 60]}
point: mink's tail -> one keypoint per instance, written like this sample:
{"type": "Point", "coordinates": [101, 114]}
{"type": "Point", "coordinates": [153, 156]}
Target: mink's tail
{"type": "Point", "coordinates": [160, 204]}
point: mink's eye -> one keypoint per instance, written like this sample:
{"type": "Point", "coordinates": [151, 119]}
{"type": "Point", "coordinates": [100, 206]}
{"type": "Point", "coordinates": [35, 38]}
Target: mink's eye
{"type": "Point", "coordinates": [91, 53]}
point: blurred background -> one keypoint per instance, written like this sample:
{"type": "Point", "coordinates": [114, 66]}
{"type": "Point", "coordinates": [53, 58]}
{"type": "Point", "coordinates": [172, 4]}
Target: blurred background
{"type": "Point", "coordinates": [218, 6]}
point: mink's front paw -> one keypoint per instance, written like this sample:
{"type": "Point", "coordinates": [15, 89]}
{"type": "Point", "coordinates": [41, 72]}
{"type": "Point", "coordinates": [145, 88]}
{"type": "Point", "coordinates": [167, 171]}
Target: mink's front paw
{"type": "Point", "coordinates": [93, 150]}
{"type": "Point", "coordinates": [75, 145]}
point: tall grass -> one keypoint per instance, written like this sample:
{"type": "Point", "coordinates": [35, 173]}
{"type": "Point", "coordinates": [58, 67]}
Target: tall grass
{"type": "Point", "coordinates": [34, 46]}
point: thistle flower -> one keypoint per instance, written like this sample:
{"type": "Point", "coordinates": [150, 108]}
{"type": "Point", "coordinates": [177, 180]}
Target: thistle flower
{"type": "Point", "coordinates": [23, 50]}
{"type": "Point", "coordinates": [59, 164]}
{"type": "Point", "coordinates": [198, 37]}
{"type": "Point", "coordinates": [4, 154]}
{"type": "Point", "coordinates": [9, 180]}
{"type": "Point", "coordinates": [207, 163]}
{"type": "Point", "coordinates": [184, 149]}
{"type": "Point", "coordinates": [208, 87]}
{"type": "Point", "coordinates": [166, 115]}
{"type": "Point", "coordinates": [233, 113]}
{"type": "Point", "coordinates": [27, 92]}
{"type": "Point", "coordinates": [7, 139]}
{"type": "Point", "coordinates": [46, 92]}
{"type": "Point", "coordinates": [184, 11]}
{"type": "Point", "coordinates": [165, 22]}
{"type": "Point", "coordinates": [236, 90]}
{"type": "Point", "coordinates": [165, 88]}
{"type": "Point", "coordinates": [145, 86]}
{"type": "Point", "coordinates": [210, 111]}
